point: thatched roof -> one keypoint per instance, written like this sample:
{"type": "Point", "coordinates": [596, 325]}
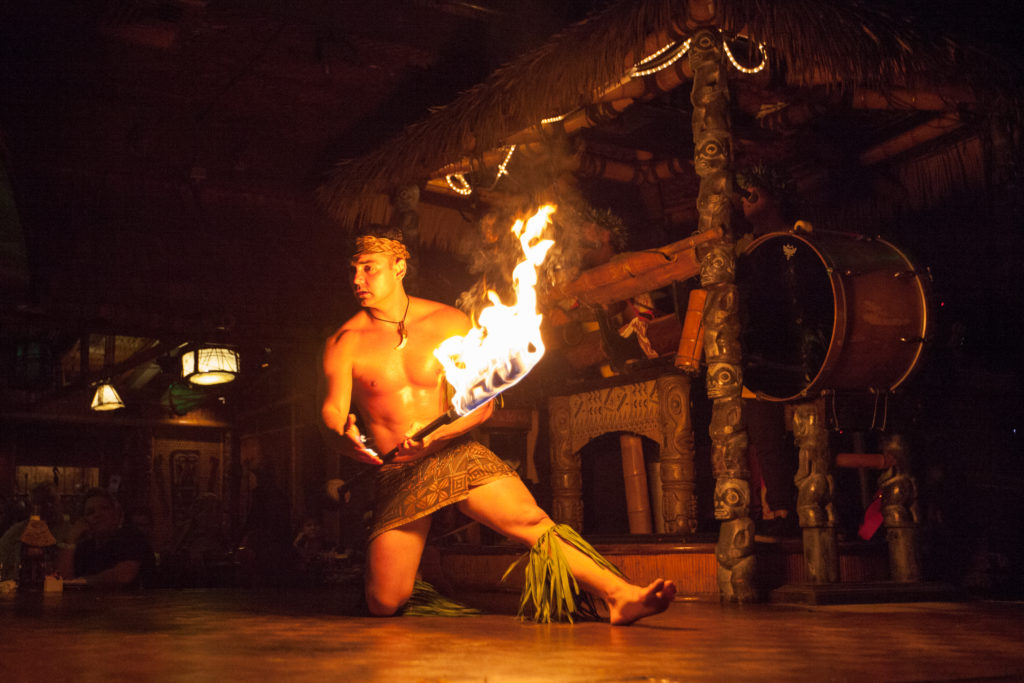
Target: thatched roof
{"type": "Point", "coordinates": [833, 43]}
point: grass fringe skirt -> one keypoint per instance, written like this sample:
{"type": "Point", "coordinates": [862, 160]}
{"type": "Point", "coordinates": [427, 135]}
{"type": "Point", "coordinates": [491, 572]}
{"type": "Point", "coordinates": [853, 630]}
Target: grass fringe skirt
{"type": "Point", "coordinates": [549, 584]}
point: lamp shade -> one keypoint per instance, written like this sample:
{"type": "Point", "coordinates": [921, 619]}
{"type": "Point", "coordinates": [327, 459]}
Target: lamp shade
{"type": "Point", "coordinates": [106, 398]}
{"type": "Point", "coordinates": [209, 365]}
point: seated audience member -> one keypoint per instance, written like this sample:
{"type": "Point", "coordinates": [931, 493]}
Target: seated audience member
{"type": "Point", "coordinates": [312, 540]}
{"type": "Point", "coordinates": [311, 547]}
{"type": "Point", "coordinates": [46, 499]}
{"type": "Point", "coordinates": [101, 552]}
{"type": "Point", "coordinates": [140, 518]}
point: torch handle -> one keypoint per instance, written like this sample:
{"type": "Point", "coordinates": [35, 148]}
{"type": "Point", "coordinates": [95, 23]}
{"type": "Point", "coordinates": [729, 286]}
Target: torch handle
{"type": "Point", "coordinates": [441, 420]}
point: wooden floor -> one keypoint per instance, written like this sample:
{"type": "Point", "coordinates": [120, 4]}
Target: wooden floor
{"type": "Point", "coordinates": [289, 635]}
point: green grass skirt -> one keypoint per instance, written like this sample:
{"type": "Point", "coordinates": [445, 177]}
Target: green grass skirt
{"type": "Point", "coordinates": [549, 584]}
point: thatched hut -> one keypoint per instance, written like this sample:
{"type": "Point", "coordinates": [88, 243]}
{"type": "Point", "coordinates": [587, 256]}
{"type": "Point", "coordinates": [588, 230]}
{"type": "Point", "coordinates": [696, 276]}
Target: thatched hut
{"type": "Point", "coordinates": [870, 118]}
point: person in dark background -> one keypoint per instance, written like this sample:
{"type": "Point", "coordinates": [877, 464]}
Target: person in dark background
{"type": "Point", "coordinates": [766, 208]}
{"type": "Point", "coordinates": [102, 552]}
{"type": "Point", "coordinates": [267, 534]}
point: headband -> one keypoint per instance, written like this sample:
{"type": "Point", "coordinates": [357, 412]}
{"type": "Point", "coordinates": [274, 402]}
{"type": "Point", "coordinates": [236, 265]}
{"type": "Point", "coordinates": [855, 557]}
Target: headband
{"type": "Point", "coordinates": [368, 244]}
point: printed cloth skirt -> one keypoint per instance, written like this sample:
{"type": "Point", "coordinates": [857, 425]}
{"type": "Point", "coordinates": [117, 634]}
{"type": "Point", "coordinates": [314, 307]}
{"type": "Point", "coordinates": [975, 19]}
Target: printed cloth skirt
{"type": "Point", "coordinates": [408, 491]}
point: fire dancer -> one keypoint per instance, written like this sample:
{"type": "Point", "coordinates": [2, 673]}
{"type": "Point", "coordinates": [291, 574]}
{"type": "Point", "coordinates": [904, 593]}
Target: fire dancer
{"type": "Point", "coordinates": [381, 363]}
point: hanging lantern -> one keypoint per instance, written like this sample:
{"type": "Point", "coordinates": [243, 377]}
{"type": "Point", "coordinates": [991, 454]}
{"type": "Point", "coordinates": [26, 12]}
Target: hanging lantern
{"type": "Point", "coordinates": [209, 364]}
{"type": "Point", "coordinates": [106, 398]}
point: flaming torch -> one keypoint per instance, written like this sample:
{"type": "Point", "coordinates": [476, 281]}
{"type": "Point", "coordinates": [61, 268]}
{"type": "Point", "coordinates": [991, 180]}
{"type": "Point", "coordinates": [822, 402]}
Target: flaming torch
{"type": "Point", "coordinates": [505, 344]}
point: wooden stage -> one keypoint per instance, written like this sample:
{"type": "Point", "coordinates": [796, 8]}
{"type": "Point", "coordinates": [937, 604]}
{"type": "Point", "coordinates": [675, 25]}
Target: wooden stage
{"type": "Point", "coordinates": [298, 635]}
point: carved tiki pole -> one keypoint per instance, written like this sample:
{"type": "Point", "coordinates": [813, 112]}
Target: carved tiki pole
{"type": "Point", "coordinates": [712, 141]}
{"type": "Point", "coordinates": [900, 513]}
{"type": "Point", "coordinates": [815, 487]}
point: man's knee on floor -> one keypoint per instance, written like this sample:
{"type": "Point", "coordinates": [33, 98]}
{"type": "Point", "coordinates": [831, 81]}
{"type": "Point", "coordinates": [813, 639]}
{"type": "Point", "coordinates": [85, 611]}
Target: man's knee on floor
{"type": "Point", "coordinates": [384, 603]}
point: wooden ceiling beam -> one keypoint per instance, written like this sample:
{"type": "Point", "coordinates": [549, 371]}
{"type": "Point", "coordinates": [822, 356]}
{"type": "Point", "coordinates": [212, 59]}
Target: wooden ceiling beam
{"type": "Point", "coordinates": [88, 378]}
{"type": "Point", "coordinates": [926, 132]}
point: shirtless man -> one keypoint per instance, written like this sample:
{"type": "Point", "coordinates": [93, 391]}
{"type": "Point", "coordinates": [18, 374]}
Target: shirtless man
{"type": "Point", "coordinates": [381, 361]}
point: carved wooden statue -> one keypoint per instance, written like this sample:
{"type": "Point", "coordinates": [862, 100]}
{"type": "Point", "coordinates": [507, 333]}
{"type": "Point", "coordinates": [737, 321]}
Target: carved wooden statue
{"type": "Point", "coordinates": [735, 548]}
{"type": "Point", "coordinates": [712, 141]}
{"type": "Point", "coordinates": [815, 487]}
{"type": "Point", "coordinates": [899, 513]}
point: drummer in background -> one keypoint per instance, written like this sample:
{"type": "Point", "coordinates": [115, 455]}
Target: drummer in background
{"type": "Point", "coordinates": [767, 208]}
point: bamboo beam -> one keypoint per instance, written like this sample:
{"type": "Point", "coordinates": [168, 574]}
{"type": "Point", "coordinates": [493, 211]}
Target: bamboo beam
{"type": "Point", "coordinates": [634, 273]}
{"type": "Point", "coordinates": [585, 164]}
{"type": "Point", "coordinates": [909, 100]}
{"type": "Point", "coordinates": [875, 461]}
{"type": "Point", "coordinates": [636, 172]}
{"type": "Point", "coordinates": [936, 128]}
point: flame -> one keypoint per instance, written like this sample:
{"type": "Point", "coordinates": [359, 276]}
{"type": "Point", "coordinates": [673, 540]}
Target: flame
{"type": "Point", "coordinates": [505, 343]}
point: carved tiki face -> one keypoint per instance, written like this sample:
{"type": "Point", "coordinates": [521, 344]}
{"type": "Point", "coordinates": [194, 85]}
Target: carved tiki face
{"type": "Point", "coordinates": [732, 498]}
{"type": "Point", "coordinates": [806, 422]}
{"type": "Point", "coordinates": [726, 418]}
{"type": "Point", "coordinates": [718, 265]}
{"type": "Point", "coordinates": [730, 454]}
{"type": "Point", "coordinates": [723, 379]}
{"type": "Point", "coordinates": [712, 154]}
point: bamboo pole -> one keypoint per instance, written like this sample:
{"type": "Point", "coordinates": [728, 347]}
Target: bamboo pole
{"type": "Point", "coordinates": [634, 475]}
{"type": "Point", "coordinates": [637, 272]}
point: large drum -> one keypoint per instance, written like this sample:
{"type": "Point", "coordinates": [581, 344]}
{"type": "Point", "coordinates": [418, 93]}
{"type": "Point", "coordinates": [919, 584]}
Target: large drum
{"type": "Point", "coordinates": [829, 311]}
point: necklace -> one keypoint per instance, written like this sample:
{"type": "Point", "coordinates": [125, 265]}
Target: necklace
{"type": "Point", "coordinates": [403, 335]}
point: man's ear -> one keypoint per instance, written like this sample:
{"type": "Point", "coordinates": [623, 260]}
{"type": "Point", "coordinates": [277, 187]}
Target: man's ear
{"type": "Point", "coordinates": [401, 266]}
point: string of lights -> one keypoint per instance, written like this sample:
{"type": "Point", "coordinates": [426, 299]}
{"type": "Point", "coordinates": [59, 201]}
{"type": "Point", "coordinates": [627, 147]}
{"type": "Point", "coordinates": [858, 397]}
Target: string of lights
{"type": "Point", "coordinates": [459, 184]}
{"type": "Point", "coordinates": [743, 69]}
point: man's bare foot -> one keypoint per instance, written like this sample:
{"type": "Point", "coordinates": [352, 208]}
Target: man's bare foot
{"type": "Point", "coordinates": [636, 602]}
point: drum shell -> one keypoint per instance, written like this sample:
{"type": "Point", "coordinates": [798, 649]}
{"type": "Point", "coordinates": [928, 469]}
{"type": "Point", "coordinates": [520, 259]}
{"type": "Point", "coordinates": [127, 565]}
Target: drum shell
{"type": "Point", "coordinates": [829, 311]}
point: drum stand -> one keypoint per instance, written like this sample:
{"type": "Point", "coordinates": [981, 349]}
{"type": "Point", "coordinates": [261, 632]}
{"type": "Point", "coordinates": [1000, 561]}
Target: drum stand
{"type": "Point", "coordinates": [816, 512]}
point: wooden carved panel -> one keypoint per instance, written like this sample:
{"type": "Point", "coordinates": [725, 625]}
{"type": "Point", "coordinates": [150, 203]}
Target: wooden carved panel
{"type": "Point", "coordinates": [658, 409]}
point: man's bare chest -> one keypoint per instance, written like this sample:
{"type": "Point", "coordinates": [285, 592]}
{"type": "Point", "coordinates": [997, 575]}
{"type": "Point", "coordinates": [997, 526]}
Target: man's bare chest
{"type": "Point", "coordinates": [379, 367]}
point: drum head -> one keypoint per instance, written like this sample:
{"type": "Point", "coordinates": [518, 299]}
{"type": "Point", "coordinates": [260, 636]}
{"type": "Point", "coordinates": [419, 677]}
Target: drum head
{"type": "Point", "coordinates": [787, 315]}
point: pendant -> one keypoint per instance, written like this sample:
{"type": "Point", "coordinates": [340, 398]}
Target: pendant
{"type": "Point", "coordinates": [403, 336]}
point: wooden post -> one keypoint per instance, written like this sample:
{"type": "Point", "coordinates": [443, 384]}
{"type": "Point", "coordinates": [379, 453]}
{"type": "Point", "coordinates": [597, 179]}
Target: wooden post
{"type": "Point", "coordinates": [566, 479]}
{"type": "Point", "coordinates": [712, 141]}
{"type": "Point", "coordinates": [815, 487]}
{"type": "Point", "coordinates": [899, 512]}
{"type": "Point", "coordinates": [676, 458]}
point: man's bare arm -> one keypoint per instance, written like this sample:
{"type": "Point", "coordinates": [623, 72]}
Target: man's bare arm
{"type": "Point", "coordinates": [337, 368]}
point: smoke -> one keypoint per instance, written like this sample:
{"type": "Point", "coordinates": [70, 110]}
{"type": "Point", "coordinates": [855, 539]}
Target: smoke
{"type": "Point", "coordinates": [584, 236]}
